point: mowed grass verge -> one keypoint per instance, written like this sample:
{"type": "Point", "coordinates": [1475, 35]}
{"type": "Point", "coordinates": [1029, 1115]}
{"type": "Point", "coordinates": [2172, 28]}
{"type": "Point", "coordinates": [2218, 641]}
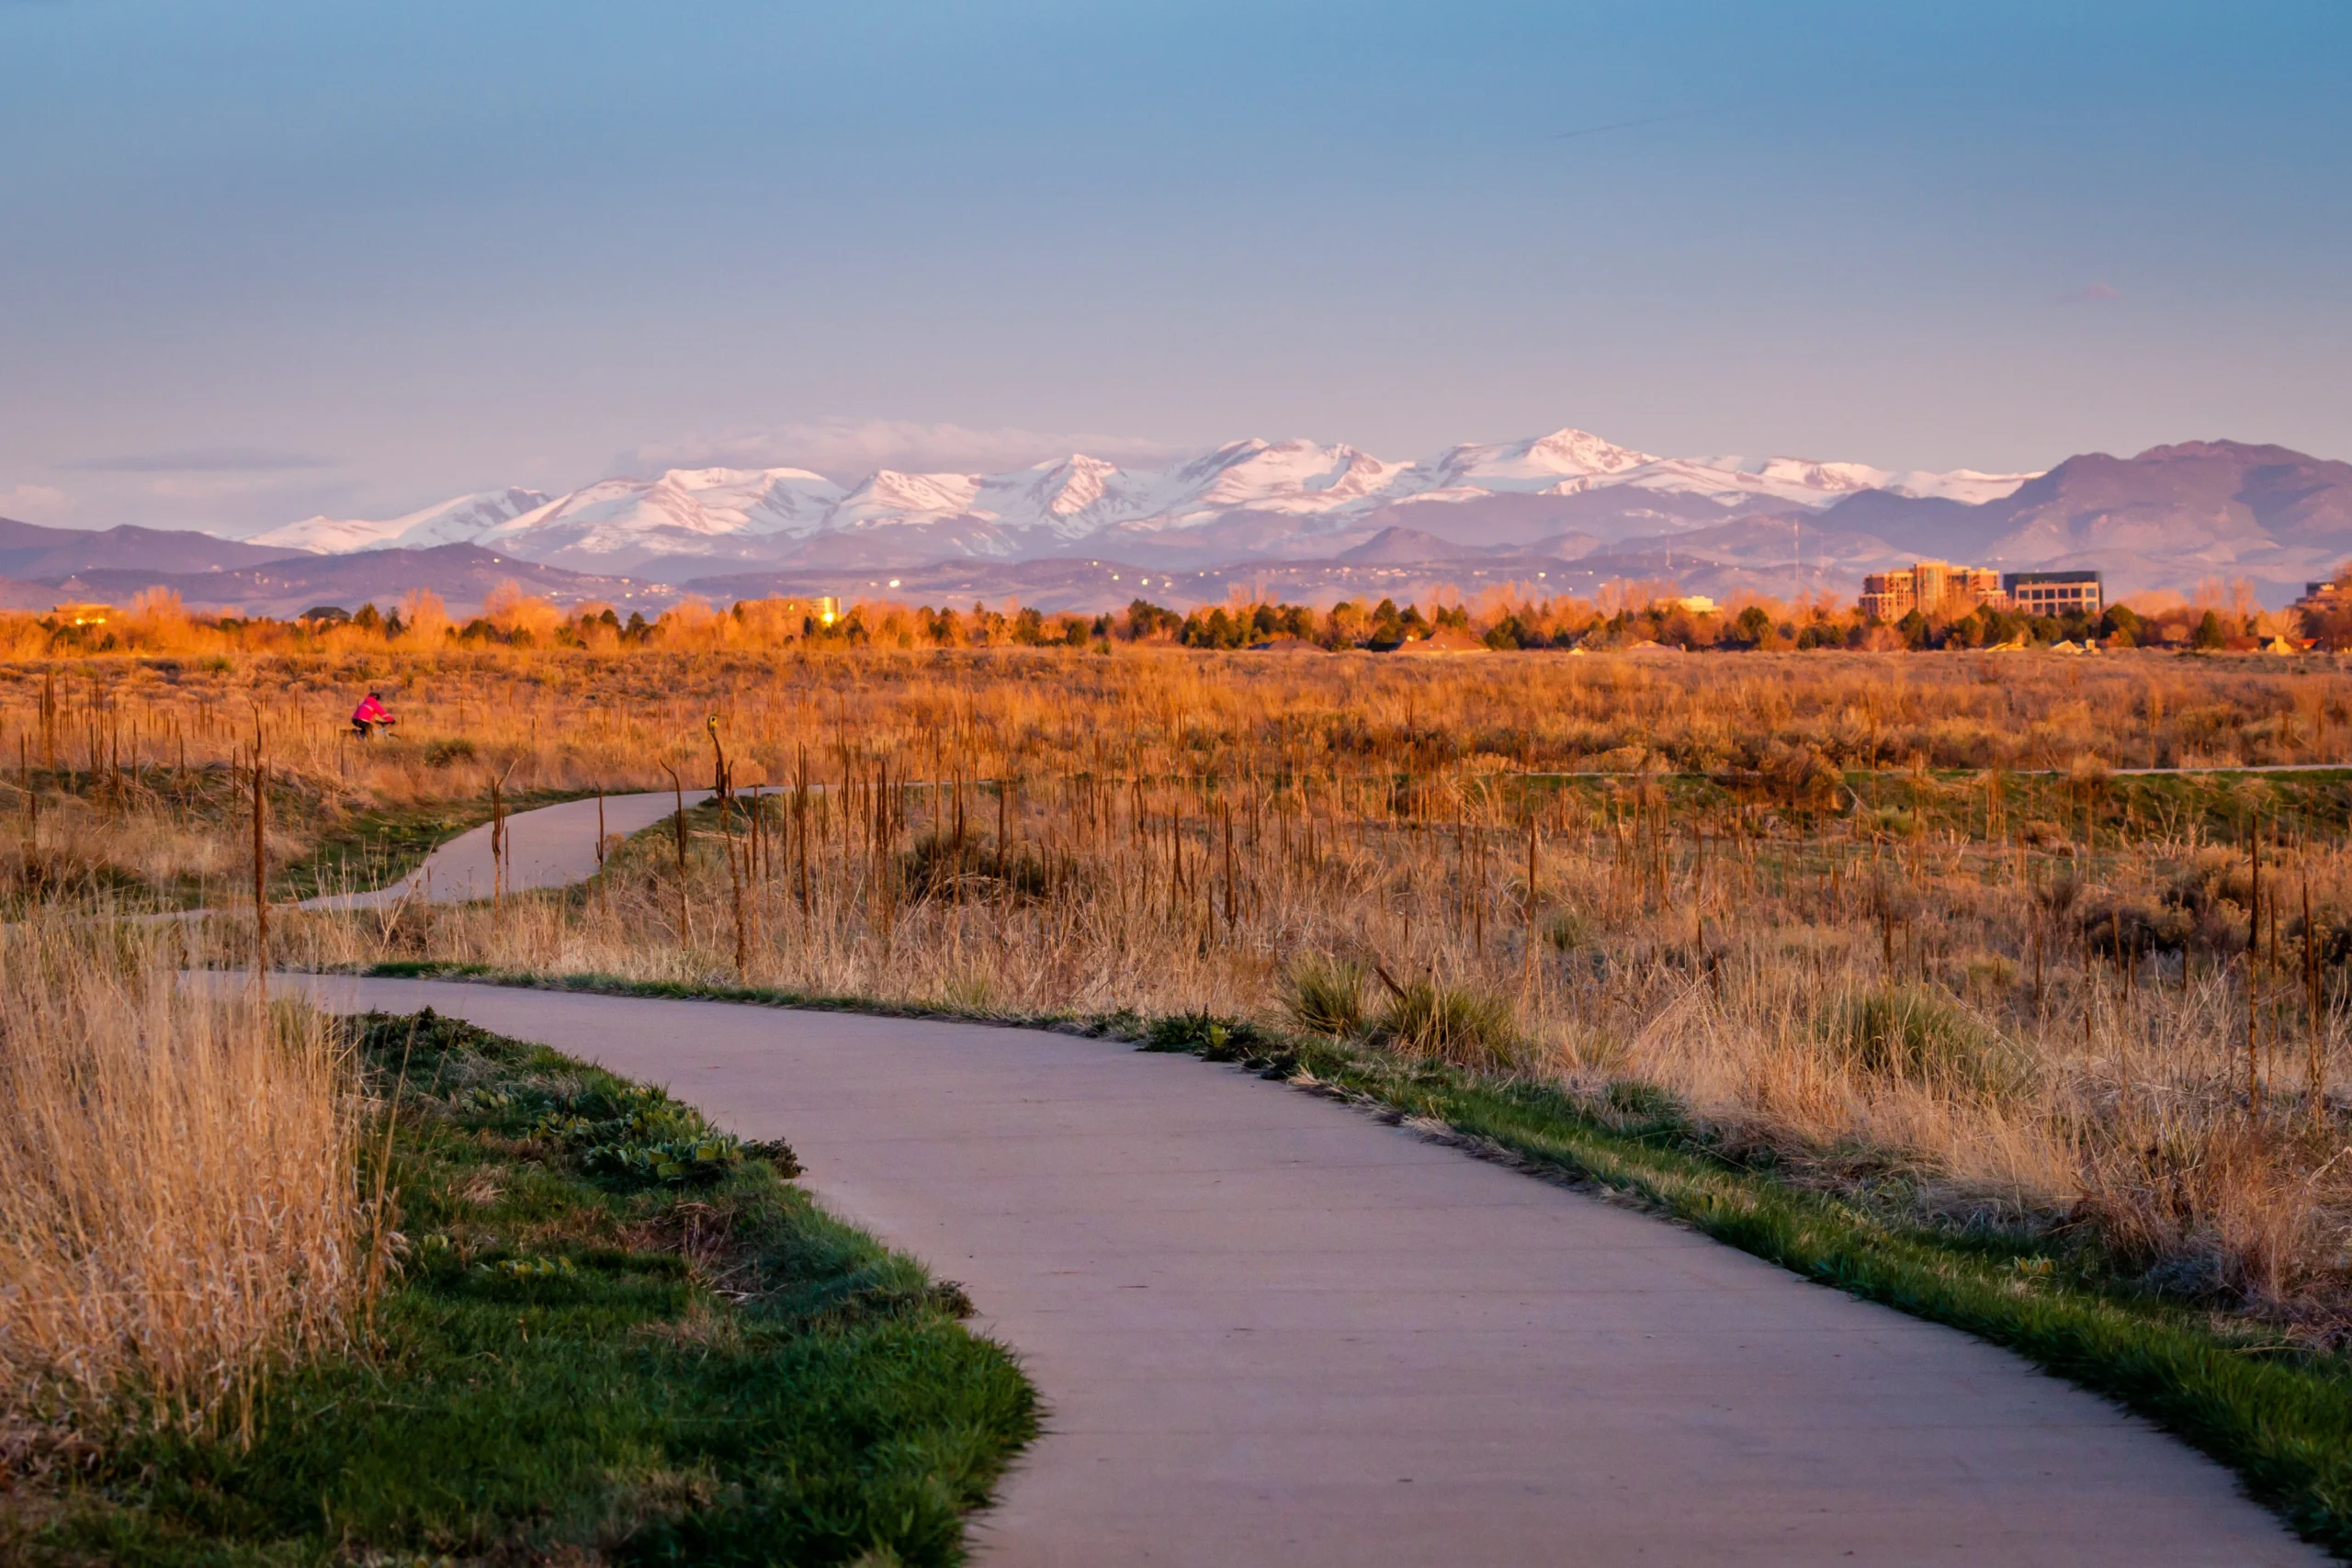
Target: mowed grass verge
{"type": "Point", "coordinates": [2279, 1413]}
{"type": "Point", "coordinates": [616, 1337]}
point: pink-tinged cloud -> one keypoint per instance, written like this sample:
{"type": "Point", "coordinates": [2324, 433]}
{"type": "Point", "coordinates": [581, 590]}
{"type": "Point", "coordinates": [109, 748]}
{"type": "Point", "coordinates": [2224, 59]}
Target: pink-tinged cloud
{"type": "Point", "coordinates": [35, 504]}
{"type": "Point", "coordinates": [2094, 294]}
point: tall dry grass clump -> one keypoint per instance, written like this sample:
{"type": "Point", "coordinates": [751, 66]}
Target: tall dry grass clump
{"type": "Point", "coordinates": [179, 1202]}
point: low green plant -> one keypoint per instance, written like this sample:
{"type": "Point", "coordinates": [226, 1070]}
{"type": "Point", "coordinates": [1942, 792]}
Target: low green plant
{"type": "Point", "coordinates": [941, 866]}
{"type": "Point", "coordinates": [1919, 1034]}
{"type": "Point", "coordinates": [1567, 930]}
{"type": "Point", "coordinates": [1459, 1025]}
{"type": "Point", "coordinates": [1326, 996]}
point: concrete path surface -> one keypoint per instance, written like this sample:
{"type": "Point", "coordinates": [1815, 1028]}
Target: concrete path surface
{"type": "Point", "coordinates": [549, 846]}
{"type": "Point", "coordinates": [1270, 1330]}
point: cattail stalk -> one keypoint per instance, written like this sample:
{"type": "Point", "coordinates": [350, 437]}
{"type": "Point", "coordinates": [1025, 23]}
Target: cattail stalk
{"type": "Point", "coordinates": [735, 883]}
{"type": "Point", "coordinates": [678, 822]}
{"type": "Point", "coordinates": [2315, 1092]}
{"type": "Point", "coordinates": [2253, 955]}
{"type": "Point", "coordinates": [261, 864]}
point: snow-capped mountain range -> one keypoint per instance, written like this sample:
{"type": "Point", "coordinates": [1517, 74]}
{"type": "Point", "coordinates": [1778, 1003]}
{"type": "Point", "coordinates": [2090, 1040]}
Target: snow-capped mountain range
{"type": "Point", "coordinates": [1247, 500]}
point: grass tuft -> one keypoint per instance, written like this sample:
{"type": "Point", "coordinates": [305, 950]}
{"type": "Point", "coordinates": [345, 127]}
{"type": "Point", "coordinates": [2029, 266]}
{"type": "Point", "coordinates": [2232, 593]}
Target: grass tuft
{"type": "Point", "coordinates": [1326, 996]}
{"type": "Point", "coordinates": [1919, 1034]}
{"type": "Point", "coordinates": [1458, 1025]}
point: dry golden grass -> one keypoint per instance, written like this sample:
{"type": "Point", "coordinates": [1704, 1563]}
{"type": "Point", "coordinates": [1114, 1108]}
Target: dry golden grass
{"type": "Point", "coordinates": [1912, 994]}
{"type": "Point", "coordinates": [560, 718]}
{"type": "Point", "coordinates": [179, 1207]}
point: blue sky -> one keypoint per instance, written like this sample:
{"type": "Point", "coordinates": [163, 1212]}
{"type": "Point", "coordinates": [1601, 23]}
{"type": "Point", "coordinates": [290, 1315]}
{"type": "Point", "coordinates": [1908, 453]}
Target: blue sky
{"type": "Point", "coordinates": [260, 260]}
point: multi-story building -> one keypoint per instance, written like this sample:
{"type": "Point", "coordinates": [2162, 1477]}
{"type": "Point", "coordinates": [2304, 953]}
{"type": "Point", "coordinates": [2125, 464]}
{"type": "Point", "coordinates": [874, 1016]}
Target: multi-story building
{"type": "Point", "coordinates": [1931, 587]}
{"type": "Point", "coordinates": [2322, 599]}
{"type": "Point", "coordinates": [2054, 592]}
{"type": "Point", "coordinates": [1938, 588]}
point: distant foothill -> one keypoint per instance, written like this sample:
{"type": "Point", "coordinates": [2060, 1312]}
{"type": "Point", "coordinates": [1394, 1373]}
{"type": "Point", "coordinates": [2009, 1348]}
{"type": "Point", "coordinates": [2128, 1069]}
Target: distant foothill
{"type": "Point", "coordinates": [1565, 515]}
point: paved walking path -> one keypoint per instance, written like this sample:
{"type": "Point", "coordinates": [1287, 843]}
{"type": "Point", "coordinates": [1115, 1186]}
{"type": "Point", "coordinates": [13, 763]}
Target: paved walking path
{"type": "Point", "coordinates": [552, 846]}
{"type": "Point", "coordinates": [1270, 1330]}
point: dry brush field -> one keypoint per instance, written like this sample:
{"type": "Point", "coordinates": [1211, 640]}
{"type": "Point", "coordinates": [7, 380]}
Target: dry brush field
{"type": "Point", "coordinates": [1899, 927]}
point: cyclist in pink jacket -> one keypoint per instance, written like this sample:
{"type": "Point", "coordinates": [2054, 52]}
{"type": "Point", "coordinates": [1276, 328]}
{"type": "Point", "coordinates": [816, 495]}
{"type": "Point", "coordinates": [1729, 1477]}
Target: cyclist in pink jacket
{"type": "Point", "coordinates": [370, 716]}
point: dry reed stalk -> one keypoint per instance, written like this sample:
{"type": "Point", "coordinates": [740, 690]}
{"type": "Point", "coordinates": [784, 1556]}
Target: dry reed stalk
{"type": "Point", "coordinates": [678, 824]}
{"type": "Point", "coordinates": [261, 864]}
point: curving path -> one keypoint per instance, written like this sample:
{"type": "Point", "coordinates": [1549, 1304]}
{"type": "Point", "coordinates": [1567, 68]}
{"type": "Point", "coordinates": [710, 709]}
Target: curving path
{"type": "Point", "coordinates": [551, 846]}
{"type": "Point", "coordinates": [1271, 1330]}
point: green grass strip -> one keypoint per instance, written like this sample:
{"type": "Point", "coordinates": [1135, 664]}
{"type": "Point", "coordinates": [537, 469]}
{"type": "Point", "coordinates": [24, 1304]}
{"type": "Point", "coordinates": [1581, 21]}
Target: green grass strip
{"type": "Point", "coordinates": [618, 1337]}
{"type": "Point", "coordinates": [2280, 1416]}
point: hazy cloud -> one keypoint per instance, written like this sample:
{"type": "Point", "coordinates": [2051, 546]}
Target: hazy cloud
{"type": "Point", "coordinates": [849, 449]}
{"type": "Point", "coordinates": [34, 504]}
{"type": "Point", "coordinates": [201, 460]}
{"type": "Point", "coordinates": [2092, 294]}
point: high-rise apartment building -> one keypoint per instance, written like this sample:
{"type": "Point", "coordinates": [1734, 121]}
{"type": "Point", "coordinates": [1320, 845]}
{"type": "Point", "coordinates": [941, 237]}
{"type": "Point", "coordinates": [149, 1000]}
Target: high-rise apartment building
{"type": "Point", "coordinates": [1931, 587]}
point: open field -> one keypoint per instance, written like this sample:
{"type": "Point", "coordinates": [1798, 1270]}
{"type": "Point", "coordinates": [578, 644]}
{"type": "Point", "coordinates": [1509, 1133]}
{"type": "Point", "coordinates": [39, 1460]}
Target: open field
{"type": "Point", "coordinates": [1821, 910]}
{"type": "Point", "coordinates": [1892, 931]}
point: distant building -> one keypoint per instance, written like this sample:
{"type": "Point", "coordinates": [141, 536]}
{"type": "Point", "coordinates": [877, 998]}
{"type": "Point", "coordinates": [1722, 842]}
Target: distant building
{"type": "Point", "coordinates": [1931, 587]}
{"type": "Point", "coordinates": [2055, 593]}
{"type": "Point", "coordinates": [1938, 588]}
{"type": "Point", "coordinates": [2322, 598]}
{"type": "Point", "coordinates": [83, 614]}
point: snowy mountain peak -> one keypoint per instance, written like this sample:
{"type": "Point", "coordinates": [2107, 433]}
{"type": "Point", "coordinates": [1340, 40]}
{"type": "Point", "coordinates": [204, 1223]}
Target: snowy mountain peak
{"type": "Point", "coordinates": [457, 521]}
{"type": "Point", "coordinates": [887, 495]}
{"type": "Point", "coordinates": [1245, 497]}
{"type": "Point", "coordinates": [1564, 454]}
{"type": "Point", "coordinates": [1829, 479]}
